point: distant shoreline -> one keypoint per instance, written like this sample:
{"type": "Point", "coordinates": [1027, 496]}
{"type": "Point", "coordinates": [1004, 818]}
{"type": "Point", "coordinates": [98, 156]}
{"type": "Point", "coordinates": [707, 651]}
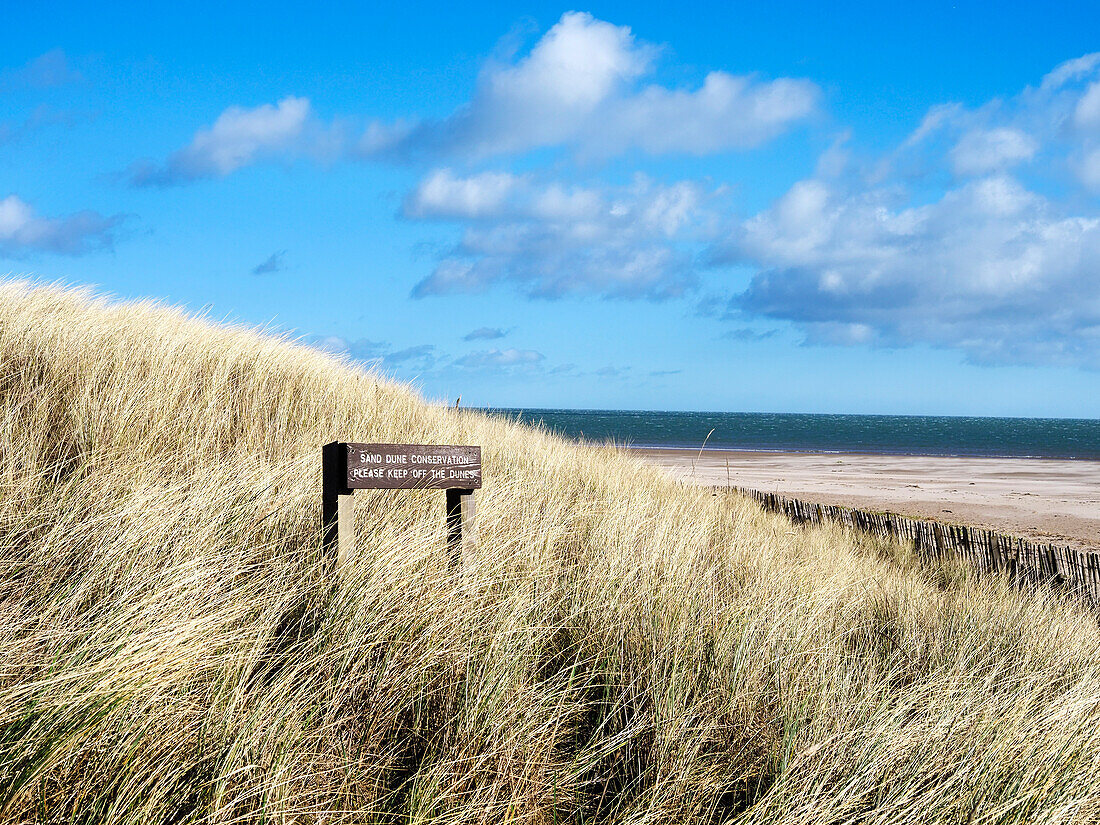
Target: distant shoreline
{"type": "Point", "coordinates": [872, 435]}
{"type": "Point", "coordinates": [1041, 499]}
{"type": "Point", "coordinates": [776, 451]}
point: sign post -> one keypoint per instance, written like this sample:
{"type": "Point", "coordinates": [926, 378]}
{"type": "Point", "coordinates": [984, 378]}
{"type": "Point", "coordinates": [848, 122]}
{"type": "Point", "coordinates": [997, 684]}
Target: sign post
{"type": "Point", "coordinates": [350, 467]}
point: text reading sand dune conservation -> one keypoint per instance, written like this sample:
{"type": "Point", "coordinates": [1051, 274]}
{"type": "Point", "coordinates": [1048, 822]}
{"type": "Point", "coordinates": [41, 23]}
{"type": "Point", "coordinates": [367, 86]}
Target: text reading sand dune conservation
{"type": "Point", "coordinates": [413, 466]}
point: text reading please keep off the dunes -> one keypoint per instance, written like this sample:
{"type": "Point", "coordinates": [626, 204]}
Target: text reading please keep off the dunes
{"type": "Point", "coordinates": [413, 466]}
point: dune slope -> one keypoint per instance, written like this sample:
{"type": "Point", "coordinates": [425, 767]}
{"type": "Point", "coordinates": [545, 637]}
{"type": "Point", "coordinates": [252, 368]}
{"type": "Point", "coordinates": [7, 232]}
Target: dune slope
{"type": "Point", "coordinates": [174, 647]}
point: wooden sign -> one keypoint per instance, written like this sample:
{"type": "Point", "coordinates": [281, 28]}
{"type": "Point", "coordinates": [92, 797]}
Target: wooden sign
{"type": "Point", "coordinates": [412, 467]}
{"type": "Point", "coordinates": [350, 467]}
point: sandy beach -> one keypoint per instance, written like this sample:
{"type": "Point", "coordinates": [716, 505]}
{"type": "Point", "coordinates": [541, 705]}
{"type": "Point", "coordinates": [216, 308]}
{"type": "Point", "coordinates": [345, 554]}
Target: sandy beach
{"type": "Point", "coordinates": [1045, 500]}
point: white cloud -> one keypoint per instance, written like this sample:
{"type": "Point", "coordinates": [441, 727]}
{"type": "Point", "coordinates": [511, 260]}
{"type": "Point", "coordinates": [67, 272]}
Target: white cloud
{"type": "Point", "coordinates": [444, 195]}
{"type": "Point", "coordinates": [999, 270]}
{"type": "Point", "coordinates": [727, 112]}
{"type": "Point", "coordinates": [1089, 169]}
{"type": "Point", "coordinates": [23, 230]}
{"type": "Point", "coordinates": [1070, 70]}
{"type": "Point", "coordinates": [237, 138]}
{"type": "Point", "coordinates": [552, 239]}
{"type": "Point", "coordinates": [981, 151]}
{"type": "Point", "coordinates": [1087, 113]}
{"type": "Point", "coordinates": [990, 268]}
{"type": "Point", "coordinates": [1054, 127]}
{"type": "Point", "coordinates": [579, 87]}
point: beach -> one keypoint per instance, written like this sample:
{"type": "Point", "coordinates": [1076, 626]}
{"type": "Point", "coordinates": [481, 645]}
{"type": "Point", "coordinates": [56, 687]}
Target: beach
{"type": "Point", "coordinates": [1044, 500]}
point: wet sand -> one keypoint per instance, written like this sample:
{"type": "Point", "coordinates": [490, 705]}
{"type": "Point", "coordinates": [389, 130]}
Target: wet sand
{"type": "Point", "coordinates": [1045, 500]}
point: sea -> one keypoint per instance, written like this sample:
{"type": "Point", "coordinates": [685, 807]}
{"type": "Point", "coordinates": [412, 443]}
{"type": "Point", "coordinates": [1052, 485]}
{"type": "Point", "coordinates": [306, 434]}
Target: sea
{"type": "Point", "coordinates": [796, 432]}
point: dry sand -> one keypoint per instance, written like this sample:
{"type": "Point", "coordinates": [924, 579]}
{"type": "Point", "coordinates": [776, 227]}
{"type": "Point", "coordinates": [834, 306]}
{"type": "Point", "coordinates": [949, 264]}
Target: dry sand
{"type": "Point", "coordinates": [1046, 500]}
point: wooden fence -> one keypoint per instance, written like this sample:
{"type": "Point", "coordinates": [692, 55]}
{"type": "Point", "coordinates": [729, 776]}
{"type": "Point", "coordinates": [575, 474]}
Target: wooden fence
{"type": "Point", "coordinates": [989, 551]}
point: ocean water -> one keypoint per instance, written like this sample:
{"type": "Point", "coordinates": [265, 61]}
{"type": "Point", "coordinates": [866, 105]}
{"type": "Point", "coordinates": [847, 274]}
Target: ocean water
{"type": "Point", "coordinates": [792, 432]}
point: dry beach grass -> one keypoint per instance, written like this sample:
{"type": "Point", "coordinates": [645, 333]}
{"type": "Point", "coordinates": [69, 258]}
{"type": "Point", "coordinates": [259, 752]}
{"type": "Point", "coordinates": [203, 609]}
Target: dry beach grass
{"type": "Point", "coordinates": [618, 648]}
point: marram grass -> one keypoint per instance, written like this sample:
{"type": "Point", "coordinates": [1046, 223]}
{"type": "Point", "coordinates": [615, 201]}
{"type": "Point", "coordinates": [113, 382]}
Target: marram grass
{"type": "Point", "coordinates": [617, 648]}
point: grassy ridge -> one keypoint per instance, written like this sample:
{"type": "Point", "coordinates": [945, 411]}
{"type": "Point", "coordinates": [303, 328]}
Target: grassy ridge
{"type": "Point", "coordinates": [617, 649]}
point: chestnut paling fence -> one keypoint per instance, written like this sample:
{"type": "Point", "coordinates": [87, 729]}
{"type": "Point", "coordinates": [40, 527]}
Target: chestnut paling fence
{"type": "Point", "coordinates": [1026, 562]}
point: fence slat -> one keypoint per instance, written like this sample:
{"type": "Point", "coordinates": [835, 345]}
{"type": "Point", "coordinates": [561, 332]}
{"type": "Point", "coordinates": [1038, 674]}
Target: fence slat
{"type": "Point", "coordinates": [986, 550]}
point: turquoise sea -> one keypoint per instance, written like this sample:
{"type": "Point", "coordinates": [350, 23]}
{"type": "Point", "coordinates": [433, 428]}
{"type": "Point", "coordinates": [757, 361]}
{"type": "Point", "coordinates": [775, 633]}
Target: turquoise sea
{"type": "Point", "coordinates": [794, 432]}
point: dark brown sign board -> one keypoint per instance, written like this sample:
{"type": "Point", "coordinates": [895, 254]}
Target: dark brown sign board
{"type": "Point", "coordinates": [347, 467]}
{"type": "Point", "coordinates": [412, 467]}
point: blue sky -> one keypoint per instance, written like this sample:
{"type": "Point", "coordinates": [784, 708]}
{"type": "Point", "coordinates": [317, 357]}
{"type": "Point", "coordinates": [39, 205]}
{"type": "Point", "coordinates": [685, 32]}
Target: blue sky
{"type": "Point", "coordinates": [778, 206]}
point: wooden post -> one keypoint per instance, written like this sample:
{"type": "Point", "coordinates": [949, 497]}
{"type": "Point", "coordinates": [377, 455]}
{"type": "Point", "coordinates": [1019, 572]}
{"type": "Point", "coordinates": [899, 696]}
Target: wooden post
{"type": "Point", "coordinates": [337, 505]}
{"type": "Point", "coordinates": [460, 508]}
{"type": "Point", "coordinates": [350, 467]}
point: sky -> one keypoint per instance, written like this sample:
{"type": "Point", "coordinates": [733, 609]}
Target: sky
{"type": "Point", "coordinates": [787, 207]}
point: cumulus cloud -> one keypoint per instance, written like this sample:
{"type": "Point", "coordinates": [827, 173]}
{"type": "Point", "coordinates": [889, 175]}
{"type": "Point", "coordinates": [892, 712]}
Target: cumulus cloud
{"type": "Point", "coordinates": [443, 194]}
{"type": "Point", "coordinates": [551, 239]}
{"type": "Point", "coordinates": [999, 269]}
{"type": "Point", "coordinates": [1086, 122]}
{"type": "Point", "coordinates": [1055, 125]}
{"type": "Point", "coordinates": [728, 112]}
{"type": "Point", "coordinates": [989, 150]}
{"type": "Point", "coordinates": [990, 268]}
{"type": "Point", "coordinates": [1070, 70]}
{"type": "Point", "coordinates": [580, 87]}
{"type": "Point", "coordinates": [1087, 112]}
{"type": "Point", "coordinates": [23, 230]}
{"type": "Point", "coordinates": [1088, 168]}
{"type": "Point", "coordinates": [484, 334]}
{"type": "Point", "coordinates": [237, 138]}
